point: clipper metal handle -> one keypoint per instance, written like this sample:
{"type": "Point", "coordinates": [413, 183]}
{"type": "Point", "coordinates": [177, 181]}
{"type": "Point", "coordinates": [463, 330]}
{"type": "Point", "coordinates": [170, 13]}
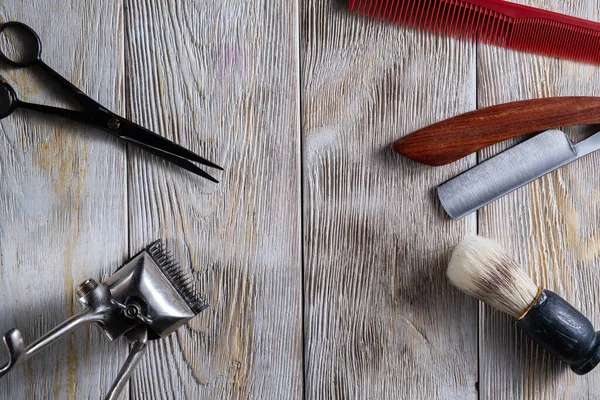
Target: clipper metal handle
{"type": "Point", "coordinates": [15, 344]}
{"type": "Point", "coordinates": [103, 308]}
{"type": "Point", "coordinates": [139, 337]}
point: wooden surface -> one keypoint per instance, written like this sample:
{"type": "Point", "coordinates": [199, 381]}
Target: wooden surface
{"type": "Point", "coordinates": [322, 252]}
{"type": "Point", "coordinates": [227, 89]}
{"type": "Point", "coordinates": [380, 319]}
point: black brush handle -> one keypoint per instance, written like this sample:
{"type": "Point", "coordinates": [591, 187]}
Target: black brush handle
{"type": "Point", "coordinates": [563, 331]}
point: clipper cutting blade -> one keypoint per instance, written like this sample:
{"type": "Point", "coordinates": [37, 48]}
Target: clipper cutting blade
{"type": "Point", "coordinates": [181, 282]}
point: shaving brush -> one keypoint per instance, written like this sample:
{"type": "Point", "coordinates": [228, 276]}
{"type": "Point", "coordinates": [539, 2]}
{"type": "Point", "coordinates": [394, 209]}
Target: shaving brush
{"type": "Point", "coordinates": [482, 269]}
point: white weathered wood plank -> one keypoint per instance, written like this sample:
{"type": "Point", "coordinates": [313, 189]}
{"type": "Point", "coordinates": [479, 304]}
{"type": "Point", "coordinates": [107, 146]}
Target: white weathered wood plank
{"type": "Point", "coordinates": [381, 320]}
{"type": "Point", "coordinates": [221, 79]}
{"type": "Point", "coordinates": [62, 201]}
{"type": "Point", "coordinates": [551, 226]}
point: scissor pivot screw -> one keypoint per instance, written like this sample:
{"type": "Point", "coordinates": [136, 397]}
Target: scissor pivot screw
{"type": "Point", "coordinates": [114, 124]}
{"type": "Point", "coordinates": [85, 287]}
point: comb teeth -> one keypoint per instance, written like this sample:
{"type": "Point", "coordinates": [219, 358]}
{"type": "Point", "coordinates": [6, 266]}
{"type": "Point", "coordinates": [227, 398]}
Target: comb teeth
{"type": "Point", "coordinates": [180, 281]}
{"type": "Point", "coordinates": [495, 22]}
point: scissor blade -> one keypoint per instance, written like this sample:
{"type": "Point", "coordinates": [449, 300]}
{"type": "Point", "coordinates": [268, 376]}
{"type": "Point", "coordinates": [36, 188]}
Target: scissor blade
{"type": "Point", "coordinates": [181, 162]}
{"type": "Point", "coordinates": [139, 134]}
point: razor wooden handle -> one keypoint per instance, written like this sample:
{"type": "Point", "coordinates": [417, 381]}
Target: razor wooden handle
{"type": "Point", "coordinates": [457, 137]}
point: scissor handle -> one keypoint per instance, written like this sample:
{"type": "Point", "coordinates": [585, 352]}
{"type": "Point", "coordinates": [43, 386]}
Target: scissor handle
{"type": "Point", "coordinates": [8, 99]}
{"type": "Point", "coordinates": [32, 45]}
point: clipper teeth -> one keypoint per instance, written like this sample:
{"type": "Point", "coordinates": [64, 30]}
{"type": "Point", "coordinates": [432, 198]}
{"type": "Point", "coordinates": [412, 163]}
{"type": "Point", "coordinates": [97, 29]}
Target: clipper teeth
{"type": "Point", "coordinates": [180, 281]}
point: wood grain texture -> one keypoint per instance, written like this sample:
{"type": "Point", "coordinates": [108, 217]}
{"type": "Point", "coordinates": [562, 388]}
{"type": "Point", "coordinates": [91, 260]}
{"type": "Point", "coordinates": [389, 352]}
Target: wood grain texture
{"type": "Point", "coordinates": [551, 226]}
{"type": "Point", "coordinates": [221, 79]}
{"type": "Point", "coordinates": [381, 321]}
{"type": "Point", "coordinates": [62, 201]}
{"type": "Point", "coordinates": [450, 140]}
{"type": "Point", "coordinates": [378, 317]}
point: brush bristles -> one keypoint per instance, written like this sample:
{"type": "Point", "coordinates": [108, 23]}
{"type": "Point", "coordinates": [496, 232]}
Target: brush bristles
{"type": "Point", "coordinates": [181, 282]}
{"type": "Point", "coordinates": [482, 269]}
{"type": "Point", "coordinates": [500, 23]}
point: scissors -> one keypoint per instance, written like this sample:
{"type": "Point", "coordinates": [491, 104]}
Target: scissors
{"type": "Point", "coordinates": [93, 113]}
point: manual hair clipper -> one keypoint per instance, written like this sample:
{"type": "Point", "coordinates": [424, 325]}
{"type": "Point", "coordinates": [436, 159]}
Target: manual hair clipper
{"type": "Point", "coordinates": [147, 298]}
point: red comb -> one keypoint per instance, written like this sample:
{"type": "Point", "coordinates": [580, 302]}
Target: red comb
{"type": "Point", "coordinates": [496, 22]}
